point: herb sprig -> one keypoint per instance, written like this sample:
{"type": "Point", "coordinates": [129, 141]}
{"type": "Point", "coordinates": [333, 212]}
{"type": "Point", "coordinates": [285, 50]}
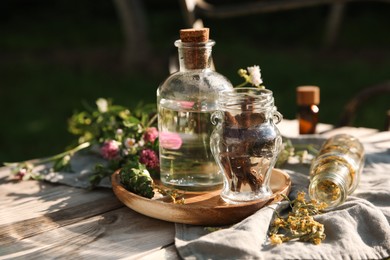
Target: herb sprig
{"type": "Point", "coordinates": [118, 135]}
{"type": "Point", "coordinates": [300, 223]}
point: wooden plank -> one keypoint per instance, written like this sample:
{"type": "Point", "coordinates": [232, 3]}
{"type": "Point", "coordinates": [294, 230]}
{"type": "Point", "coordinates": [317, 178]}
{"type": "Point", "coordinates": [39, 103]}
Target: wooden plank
{"type": "Point", "coordinates": [19, 230]}
{"type": "Point", "coordinates": [28, 208]}
{"type": "Point", "coordinates": [39, 219]}
{"type": "Point", "coordinates": [255, 7]}
{"type": "Point", "coordinates": [24, 200]}
{"type": "Point", "coordinates": [115, 234]}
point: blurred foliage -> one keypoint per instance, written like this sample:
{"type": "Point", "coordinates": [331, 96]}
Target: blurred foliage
{"type": "Point", "coordinates": [55, 55]}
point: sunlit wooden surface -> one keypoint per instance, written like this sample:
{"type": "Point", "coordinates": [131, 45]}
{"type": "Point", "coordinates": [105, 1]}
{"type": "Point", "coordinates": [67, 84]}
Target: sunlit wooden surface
{"type": "Point", "coordinates": [41, 220]}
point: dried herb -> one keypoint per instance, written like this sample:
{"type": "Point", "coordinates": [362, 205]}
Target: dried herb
{"type": "Point", "coordinates": [137, 180]}
{"type": "Point", "coordinates": [212, 229]}
{"type": "Point", "coordinates": [175, 195]}
{"type": "Point", "coordinates": [246, 146]}
{"type": "Point", "coordinates": [299, 224]}
{"type": "Point", "coordinates": [302, 153]}
{"type": "Point", "coordinates": [110, 132]}
{"type": "Point", "coordinates": [329, 190]}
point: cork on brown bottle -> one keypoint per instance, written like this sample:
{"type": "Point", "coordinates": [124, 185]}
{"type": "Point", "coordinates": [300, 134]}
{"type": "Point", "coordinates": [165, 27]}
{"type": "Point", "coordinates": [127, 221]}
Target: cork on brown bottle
{"type": "Point", "coordinates": [308, 95]}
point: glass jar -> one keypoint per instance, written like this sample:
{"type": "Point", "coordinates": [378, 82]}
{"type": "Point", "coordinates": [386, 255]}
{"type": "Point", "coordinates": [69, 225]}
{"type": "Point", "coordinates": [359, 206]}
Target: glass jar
{"type": "Point", "coordinates": [246, 143]}
{"type": "Point", "coordinates": [185, 101]}
{"type": "Point", "coordinates": [335, 172]}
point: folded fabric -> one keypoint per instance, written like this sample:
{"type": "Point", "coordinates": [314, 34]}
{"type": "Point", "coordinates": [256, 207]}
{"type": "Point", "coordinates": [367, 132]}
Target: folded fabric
{"type": "Point", "coordinates": [357, 229]}
{"type": "Point", "coordinates": [83, 165]}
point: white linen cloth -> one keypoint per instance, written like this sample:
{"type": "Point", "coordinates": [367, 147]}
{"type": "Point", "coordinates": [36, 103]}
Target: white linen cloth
{"type": "Point", "coordinates": [357, 229]}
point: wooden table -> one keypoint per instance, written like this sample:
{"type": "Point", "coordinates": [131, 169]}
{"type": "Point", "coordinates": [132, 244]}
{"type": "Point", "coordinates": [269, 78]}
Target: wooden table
{"type": "Point", "coordinates": [40, 220]}
{"type": "Point", "coordinates": [43, 220]}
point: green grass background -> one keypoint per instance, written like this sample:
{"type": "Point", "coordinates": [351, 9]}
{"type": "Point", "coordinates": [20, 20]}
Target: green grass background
{"type": "Point", "coordinates": [55, 55]}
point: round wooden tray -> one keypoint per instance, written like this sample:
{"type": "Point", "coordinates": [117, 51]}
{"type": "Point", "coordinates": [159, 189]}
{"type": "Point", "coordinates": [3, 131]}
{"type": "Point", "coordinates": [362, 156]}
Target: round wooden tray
{"type": "Point", "coordinates": [201, 208]}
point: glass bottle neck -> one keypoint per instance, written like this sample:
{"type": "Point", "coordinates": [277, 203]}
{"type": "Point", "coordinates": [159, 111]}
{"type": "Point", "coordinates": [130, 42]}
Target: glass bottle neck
{"type": "Point", "coordinates": [242, 100]}
{"type": "Point", "coordinates": [250, 106]}
{"type": "Point", "coordinates": [194, 55]}
{"type": "Point", "coordinates": [331, 185]}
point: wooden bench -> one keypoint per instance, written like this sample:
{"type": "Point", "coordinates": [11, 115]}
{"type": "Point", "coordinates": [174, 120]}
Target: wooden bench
{"type": "Point", "coordinates": [361, 98]}
{"type": "Point", "coordinates": [195, 10]}
{"type": "Point", "coordinates": [137, 46]}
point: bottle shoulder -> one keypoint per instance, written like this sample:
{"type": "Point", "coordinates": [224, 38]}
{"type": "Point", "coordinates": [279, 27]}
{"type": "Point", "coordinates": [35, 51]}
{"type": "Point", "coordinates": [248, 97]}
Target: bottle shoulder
{"type": "Point", "coordinates": [195, 81]}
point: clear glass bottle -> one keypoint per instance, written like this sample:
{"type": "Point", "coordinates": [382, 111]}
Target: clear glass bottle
{"type": "Point", "coordinates": [308, 99]}
{"type": "Point", "coordinates": [246, 143]}
{"type": "Point", "coordinates": [185, 101]}
{"type": "Point", "coordinates": [335, 172]}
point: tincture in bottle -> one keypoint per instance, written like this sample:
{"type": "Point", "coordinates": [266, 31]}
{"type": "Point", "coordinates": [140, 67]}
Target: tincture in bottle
{"type": "Point", "coordinates": [308, 99]}
{"type": "Point", "coordinates": [335, 172]}
{"type": "Point", "coordinates": [185, 102]}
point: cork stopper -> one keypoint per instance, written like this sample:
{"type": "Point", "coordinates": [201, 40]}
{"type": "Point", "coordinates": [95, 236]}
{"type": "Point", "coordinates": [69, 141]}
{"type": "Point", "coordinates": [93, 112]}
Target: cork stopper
{"type": "Point", "coordinates": [308, 95]}
{"type": "Point", "coordinates": [194, 49]}
{"type": "Point", "coordinates": [194, 35]}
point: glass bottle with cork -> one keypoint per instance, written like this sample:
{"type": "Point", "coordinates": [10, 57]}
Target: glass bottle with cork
{"type": "Point", "coordinates": [308, 99]}
{"type": "Point", "coordinates": [185, 102]}
{"type": "Point", "coordinates": [335, 172]}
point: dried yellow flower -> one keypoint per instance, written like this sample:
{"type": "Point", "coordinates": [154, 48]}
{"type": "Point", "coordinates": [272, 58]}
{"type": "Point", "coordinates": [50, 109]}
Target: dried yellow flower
{"type": "Point", "coordinates": [300, 196]}
{"type": "Point", "coordinates": [175, 195]}
{"type": "Point", "coordinates": [299, 224]}
{"type": "Point", "coordinates": [276, 239]}
{"type": "Point", "coordinates": [330, 190]}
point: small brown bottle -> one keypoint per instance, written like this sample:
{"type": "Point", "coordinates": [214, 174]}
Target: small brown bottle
{"type": "Point", "coordinates": [308, 99]}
